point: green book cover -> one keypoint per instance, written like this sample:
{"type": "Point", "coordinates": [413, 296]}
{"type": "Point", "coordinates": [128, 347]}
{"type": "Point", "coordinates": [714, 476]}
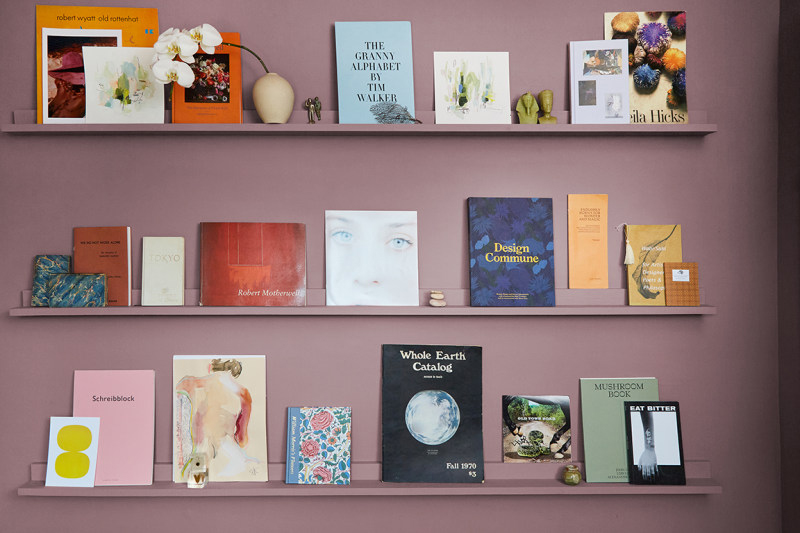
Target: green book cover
{"type": "Point", "coordinates": [602, 410]}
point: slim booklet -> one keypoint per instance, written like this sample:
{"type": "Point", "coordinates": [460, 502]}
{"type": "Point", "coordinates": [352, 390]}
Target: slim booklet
{"type": "Point", "coordinates": [587, 220]}
{"type": "Point", "coordinates": [105, 250]}
{"type": "Point", "coordinates": [318, 446]}
{"type": "Point", "coordinates": [432, 414]}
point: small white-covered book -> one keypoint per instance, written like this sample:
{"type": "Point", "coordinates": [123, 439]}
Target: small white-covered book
{"type": "Point", "coordinates": [163, 268]}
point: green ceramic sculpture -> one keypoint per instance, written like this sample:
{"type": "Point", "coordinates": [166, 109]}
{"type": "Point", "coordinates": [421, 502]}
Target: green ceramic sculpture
{"type": "Point", "coordinates": [527, 109]}
{"type": "Point", "coordinates": [546, 98]}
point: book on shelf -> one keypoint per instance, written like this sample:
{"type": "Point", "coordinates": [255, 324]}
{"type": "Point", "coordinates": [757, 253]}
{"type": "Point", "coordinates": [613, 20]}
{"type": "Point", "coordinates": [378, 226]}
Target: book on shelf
{"type": "Point", "coordinates": [374, 72]}
{"type": "Point", "coordinates": [219, 410]}
{"type": "Point", "coordinates": [44, 267]}
{"type": "Point", "coordinates": [318, 445]}
{"type": "Point", "coordinates": [252, 264]}
{"type": "Point", "coordinates": [124, 401]}
{"type": "Point", "coordinates": [105, 250]}
{"type": "Point", "coordinates": [587, 223]}
{"type": "Point", "coordinates": [652, 246]}
{"type": "Point", "coordinates": [511, 259]}
{"type": "Point", "coordinates": [216, 94]}
{"type": "Point", "coordinates": [471, 88]}
{"type": "Point", "coordinates": [654, 443]}
{"type": "Point", "coordinates": [603, 417]}
{"type": "Point", "coordinates": [77, 290]}
{"type": "Point", "coordinates": [656, 51]}
{"type": "Point", "coordinates": [432, 414]}
{"type": "Point", "coordinates": [61, 31]}
{"type": "Point", "coordinates": [536, 429]}
{"type": "Point", "coordinates": [599, 82]}
{"type": "Point", "coordinates": [371, 258]}
{"type": "Point", "coordinates": [72, 451]}
{"type": "Point", "coordinates": [681, 284]}
{"type": "Point", "coordinates": [163, 270]}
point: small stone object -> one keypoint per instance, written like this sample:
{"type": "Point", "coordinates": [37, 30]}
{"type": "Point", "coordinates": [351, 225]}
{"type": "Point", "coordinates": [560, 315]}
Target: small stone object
{"type": "Point", "coordinates": [571, 475]}
{"type": "Point", "coordinates": [554, 447]}
{"type": "Point", "coordinates": [437, 299]}
{"type": "Point", "coordinates": [558, 455]}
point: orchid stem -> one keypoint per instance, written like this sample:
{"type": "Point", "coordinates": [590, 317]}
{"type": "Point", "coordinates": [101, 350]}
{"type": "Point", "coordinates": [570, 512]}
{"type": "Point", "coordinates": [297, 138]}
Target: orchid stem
{"type": "Point", "coordinates": [255, 54]}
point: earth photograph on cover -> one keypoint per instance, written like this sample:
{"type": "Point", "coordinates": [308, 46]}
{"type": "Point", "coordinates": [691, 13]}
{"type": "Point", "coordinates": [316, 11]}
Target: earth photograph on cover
{"type": "Point", "coordinates": [432, 417]}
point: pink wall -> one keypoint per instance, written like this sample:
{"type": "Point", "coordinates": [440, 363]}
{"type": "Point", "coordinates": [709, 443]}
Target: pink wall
{"type": "Point", "coordinates": [721, 188]}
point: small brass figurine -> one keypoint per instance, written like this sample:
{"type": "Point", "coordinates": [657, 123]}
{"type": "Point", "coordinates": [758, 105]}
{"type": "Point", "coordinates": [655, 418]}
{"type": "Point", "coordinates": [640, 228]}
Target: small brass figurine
{"type": "Point", "coordinates": [314, 107]}
{"type": "Point", "coordinates": [527, 109]}
{"type": "Point", "coordinates": [546, 99]}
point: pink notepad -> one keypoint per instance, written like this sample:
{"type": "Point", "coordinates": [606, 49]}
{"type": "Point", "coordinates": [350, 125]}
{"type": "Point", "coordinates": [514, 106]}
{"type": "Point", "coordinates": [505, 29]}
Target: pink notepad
{"type": "Point", "coordinates": [125, 402]}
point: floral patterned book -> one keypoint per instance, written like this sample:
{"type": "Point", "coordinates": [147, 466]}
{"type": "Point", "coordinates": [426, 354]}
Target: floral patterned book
{"type": "Point", "coordinates": [318, 446]}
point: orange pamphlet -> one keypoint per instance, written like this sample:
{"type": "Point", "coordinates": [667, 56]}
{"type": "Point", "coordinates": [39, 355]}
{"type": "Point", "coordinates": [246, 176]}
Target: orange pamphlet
{"type": "Point", "coordinates": [105, 250]}
{"type": "Point", "coordinates": [588, 241]}
{"type": "Point", "coordinates": [681, 284]}
{"type": "Point", "coordinates": [216, 95]}
{"type": "Point", "coordinates": [138, 26]}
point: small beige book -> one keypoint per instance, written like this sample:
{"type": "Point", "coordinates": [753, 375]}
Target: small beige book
{"type": "Point", "coordinates": [163, 269]}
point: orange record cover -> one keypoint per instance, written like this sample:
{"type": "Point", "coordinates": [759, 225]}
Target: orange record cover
{"type": "Point", "coordinates": [216, 95]}
{"type": "Point", "coordinates": [105, 250]}
{"type": "Point", "coordinates": [252, 264]}
{"type": "Point", "coordinates": [139, 27]}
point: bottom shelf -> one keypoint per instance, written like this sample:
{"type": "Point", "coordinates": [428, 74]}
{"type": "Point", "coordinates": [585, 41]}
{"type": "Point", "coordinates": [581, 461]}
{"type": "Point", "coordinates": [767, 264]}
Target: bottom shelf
{"type": "Point", "coordinates": [501, 479]}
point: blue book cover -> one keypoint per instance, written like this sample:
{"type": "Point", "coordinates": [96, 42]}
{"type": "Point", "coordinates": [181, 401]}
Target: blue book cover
{"type": "Point", "coordinates": [77, 290]}
{"type": "Point", "coordinates": [44, 267]}
{"type": "Point", "coordinates": [318, 446]}
{"type": "Point", "coordinates": [511, 252]}
{"type": "Point", "coordinates": [375, 72]}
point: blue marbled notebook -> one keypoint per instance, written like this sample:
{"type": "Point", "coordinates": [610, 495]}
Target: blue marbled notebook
{"type": "Point", "coordinates": [44, 266]}
{"type": "Point", "coordinates": [77, 290]}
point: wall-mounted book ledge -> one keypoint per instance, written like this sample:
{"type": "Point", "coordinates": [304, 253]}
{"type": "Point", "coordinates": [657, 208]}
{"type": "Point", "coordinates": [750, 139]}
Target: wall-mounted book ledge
{"type": "Point", "coordinates": [570, 302]}
{"type": "Point", "coordinates": [501, 479]}
{"type": "Point", "coordinates": [25, 123]}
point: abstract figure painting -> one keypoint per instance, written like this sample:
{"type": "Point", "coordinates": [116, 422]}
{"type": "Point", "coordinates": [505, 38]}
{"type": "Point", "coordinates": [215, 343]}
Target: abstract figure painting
{"type": "Point", "coordinates": [72, 453]}
{"type": "Point", "coordinates": [220, 411]}
{"type": "Point", "coordinates": [121, 88]}
{"type": "Point", "coordinates": [471, 88]}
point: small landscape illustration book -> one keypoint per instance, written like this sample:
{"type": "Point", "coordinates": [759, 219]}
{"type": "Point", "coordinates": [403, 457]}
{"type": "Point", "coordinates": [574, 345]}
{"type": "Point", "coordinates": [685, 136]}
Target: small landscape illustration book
{"type": "Point", "coordinates": [599, 82]}
{"type": "Point", "coordinates": [374, 72]}
{"type": "Point", "coordinates": [63, 94]}
{"type": "Point", "coordinates": [656, 51]}
{"type": "Point", "coordinates": [77, 290]}
{"type": "Point", "coordinates": [318, 446]}
{"type": "Point", "coordinates": [681, 284]}
{"type": "Point", "coordinates": [536, 429]}
{"type": "Point", "coordinates": [511, 260]}
{"type": "Point", "coordinates": [652, 246]}
{"type": "Point", "coordinates": [216, 94]}
{"type": "Point", "coordinates": [163, 270]}
{"type": "Point", "coordinates": [124, 401]}
{"type": "Point", "coordinates": [655, 447]}
{"type": "Point", "coordinates": [219, 410]}
{"type": "Point", "coordinates": [432, 414]}
{"type": "Point", "coordinates": [603, 417]}
{"type": "Point", "coordinates": [252, 264]}
{"type": "Point", "coordinates": [471, 88]}
{"type": "Point", "coordinates": [587, 219]}
{"type": "Point", "coordinates": [72, 451]}
{"type": "Point", "coordinates": [44, 267]}
{"type": "Point", "coordinates": [105, 250]}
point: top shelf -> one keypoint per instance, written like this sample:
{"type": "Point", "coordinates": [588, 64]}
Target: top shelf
{"type": "Point", "coordinates": [25, 124]}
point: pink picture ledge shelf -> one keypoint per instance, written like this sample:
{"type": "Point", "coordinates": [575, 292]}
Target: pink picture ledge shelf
{"type": "Point", "coordinates": [501, 479]}
{"type": "Point", "coordinates": [25, 123]}
{"type": "Point", "coordinates": [575, 302]}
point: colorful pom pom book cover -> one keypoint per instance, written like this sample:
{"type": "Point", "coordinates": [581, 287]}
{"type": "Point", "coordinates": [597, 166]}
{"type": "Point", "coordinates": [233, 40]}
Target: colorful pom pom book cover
{"type": "Point", "coordinates": [105, 250]}
{"type": "Point", "coordinates": [511, 259]}
{"type": "Point", "coordinates": [216, 94]}
{"type": "Point", "coordinates": [374, 72]}
{"type": "Point", "coordinates": [252, 264]}
{"type": "Point", "coordinates": [432, 414]}
{"type": "Point", "coordinates": [124, 400]}
{"type": "Point", "coordinates": [220, 410]}
{"type": "Point", "coordinates": [536, 429]}
{"type": "Point", "coordinates": [598, 73]}
{"type": "Point", "coordinates": [657, 56]}
{"type": "Point", "coordinates": [652, 245]}
{"type": "Point", "coordinates": [603, 417]}
{"type": "Point", "coordinates": [318, 446]}
{"type": "Point", "coordinates": [654, 443]}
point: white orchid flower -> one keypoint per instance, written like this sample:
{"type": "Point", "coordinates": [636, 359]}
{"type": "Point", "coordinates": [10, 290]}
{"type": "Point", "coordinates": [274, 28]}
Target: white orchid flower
{"type": "Point", "coordinates": [175, 42]}
{"type": "Point", "coordinates": [207, 37]}
{"type": "Point", "coordinates": [167, 70]}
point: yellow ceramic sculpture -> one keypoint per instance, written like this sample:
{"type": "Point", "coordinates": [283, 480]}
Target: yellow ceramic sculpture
{"type": "Point", "coordinates": [546, 98]}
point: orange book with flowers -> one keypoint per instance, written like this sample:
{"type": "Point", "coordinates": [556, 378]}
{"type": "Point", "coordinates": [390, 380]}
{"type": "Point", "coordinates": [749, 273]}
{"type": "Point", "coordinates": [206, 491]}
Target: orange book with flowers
{"type": "Point", "coordinates": [216, 94]}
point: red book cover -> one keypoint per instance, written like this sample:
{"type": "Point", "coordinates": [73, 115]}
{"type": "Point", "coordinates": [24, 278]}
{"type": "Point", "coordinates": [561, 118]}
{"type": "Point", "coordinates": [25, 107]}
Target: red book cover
{"type": "Point", "coordinates": [105, 250]}
{"type": "Point", "coordinates": [252, 264]}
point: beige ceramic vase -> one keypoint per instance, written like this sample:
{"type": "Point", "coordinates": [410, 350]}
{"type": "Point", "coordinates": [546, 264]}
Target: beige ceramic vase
{"type": "Point", "coordinates": [273, 98]}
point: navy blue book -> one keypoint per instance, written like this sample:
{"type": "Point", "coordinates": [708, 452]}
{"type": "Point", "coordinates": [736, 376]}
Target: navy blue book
{"type": "Point", "coordinates": [511, 252]}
